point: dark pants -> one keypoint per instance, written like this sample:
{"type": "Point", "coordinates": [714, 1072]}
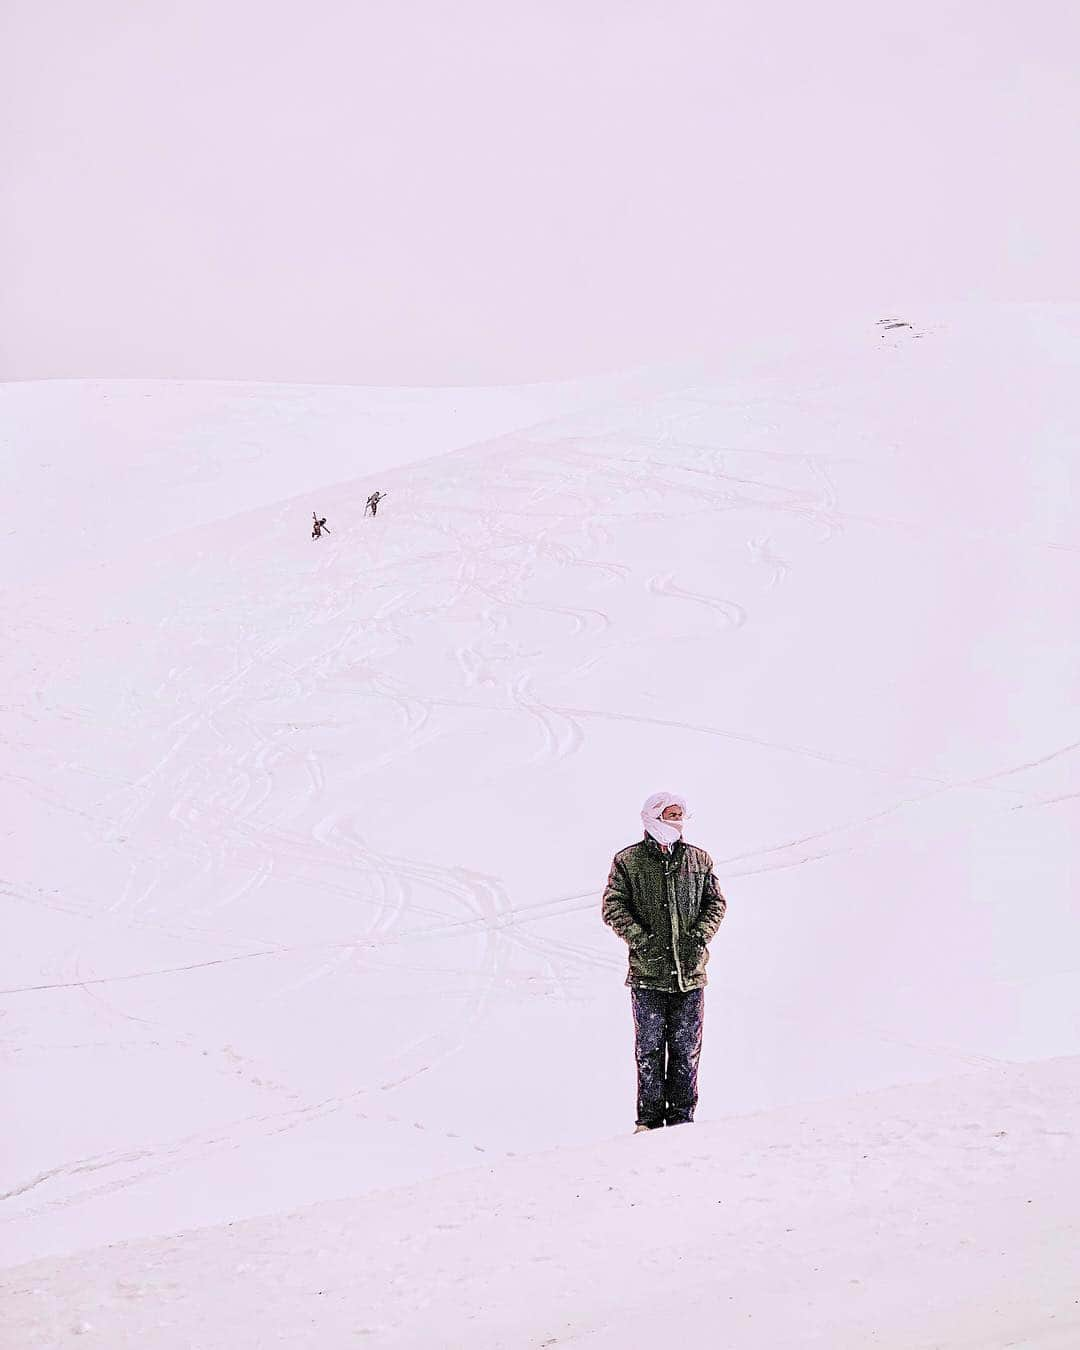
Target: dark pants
{"type": "Point", "coordinates": [667, 1046]}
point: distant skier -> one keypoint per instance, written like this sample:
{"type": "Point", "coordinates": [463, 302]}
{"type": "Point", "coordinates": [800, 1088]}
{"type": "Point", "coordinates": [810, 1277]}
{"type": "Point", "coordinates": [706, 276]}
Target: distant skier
{"type": "Point", "coordinates": [662, 898]}
{"type": "Point", "coordinates": [318, 526]}
{"type": "Point", "coordinates": [373, 503]}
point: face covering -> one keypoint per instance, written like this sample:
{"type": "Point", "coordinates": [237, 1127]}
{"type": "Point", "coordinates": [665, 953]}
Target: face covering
{"type": "Point", "coordinates": [663, 831]}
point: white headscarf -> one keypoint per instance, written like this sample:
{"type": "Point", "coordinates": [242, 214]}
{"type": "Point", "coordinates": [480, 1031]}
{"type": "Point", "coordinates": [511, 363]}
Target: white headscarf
{"type": "Point", "coordinates": [663, 831]}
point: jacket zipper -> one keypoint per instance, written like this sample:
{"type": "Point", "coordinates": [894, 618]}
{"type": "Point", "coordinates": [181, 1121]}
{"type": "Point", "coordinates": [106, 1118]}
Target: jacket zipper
{"type": "Point", "coordinates": [673, 915]}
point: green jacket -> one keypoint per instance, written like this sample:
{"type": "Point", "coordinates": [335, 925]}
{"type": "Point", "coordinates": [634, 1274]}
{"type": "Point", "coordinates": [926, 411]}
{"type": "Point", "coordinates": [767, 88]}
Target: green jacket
{"type": "Point", "coordinates": [666, 907]}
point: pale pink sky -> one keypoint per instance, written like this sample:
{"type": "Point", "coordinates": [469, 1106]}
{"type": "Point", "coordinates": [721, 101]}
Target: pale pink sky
{"type": "Point", "coordinates": [420, 192]}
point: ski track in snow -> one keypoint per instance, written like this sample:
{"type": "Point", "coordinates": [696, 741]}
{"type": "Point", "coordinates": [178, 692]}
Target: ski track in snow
{"type": "Point", "coordinates": [733, 615]}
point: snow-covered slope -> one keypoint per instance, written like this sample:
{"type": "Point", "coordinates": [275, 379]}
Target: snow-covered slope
{"type": "Point", "coordinates": [304, 839]}
{"type": "Point", "coordinates": [90, 467]}
{"type": "Point", "coordinates": [914, 1218]}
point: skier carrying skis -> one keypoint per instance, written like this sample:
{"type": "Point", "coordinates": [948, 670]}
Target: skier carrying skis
{"type": "Point", "coordinates": [662, 898]}
{"type": "Point", "coordinates": [318, 526]}
{"type": "Point", "coordinates": [373, 503]}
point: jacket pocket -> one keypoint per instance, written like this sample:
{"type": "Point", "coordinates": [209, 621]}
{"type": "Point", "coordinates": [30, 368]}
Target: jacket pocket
{"type": "Point", "coordinates": [695, 956]}
{"type": "Point", "coordinates": [651, 958]}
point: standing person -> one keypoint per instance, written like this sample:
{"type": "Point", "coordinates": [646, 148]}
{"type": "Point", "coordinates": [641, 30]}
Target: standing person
{"type": "Point", "coordinates": [663, 900]}
{"type": "Point", "coordinates": [319, 526]}
{"type": "Point", "coordinates": [373, 503]}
